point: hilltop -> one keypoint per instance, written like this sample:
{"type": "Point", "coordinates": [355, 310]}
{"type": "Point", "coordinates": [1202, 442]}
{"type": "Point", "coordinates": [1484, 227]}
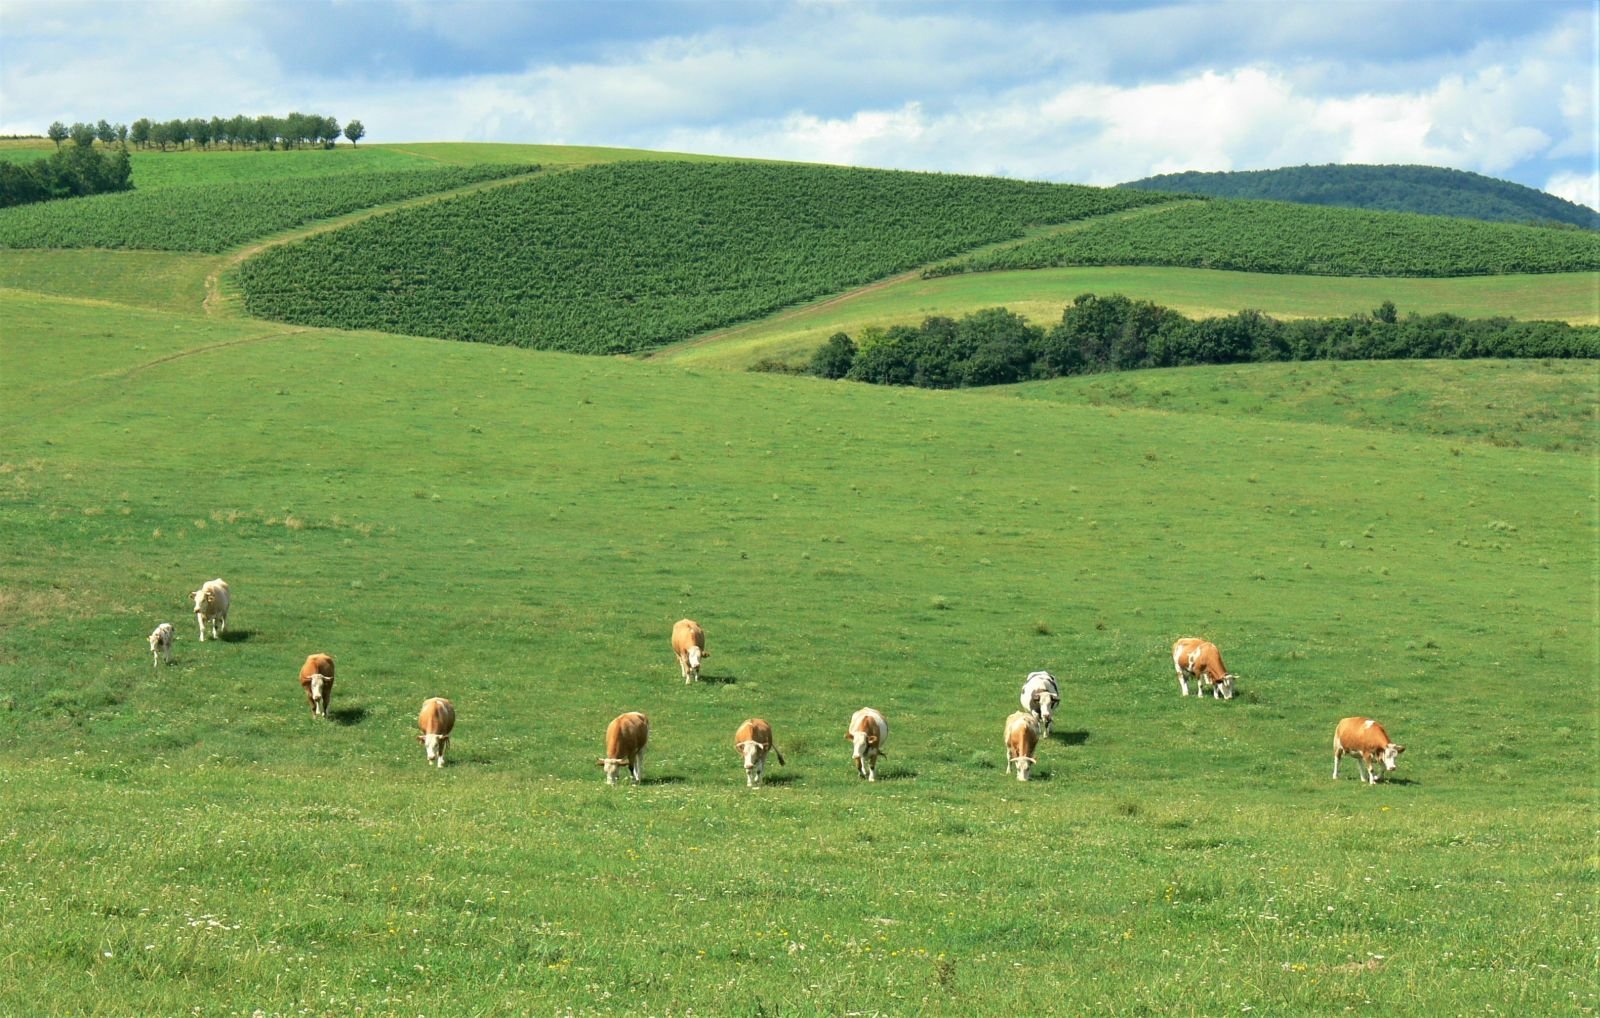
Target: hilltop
{"type": "Point", "coordinates": [1429, 190]}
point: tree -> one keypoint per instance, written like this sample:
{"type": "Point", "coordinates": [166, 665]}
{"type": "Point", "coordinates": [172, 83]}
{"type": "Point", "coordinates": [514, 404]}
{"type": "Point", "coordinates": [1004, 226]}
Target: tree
{"type": "Point", "coordinates": [105, 132]}
{"type": "Point", "coordinates": [58, 133]}
{"type": "Point", "coordinates": [832, 359]}
{"type": "Point", "coordinates": [139, 134]}
{"type": "Point", "coordinates": [355, 131]}
{"type": "Point", "coordinates": [82, 135]}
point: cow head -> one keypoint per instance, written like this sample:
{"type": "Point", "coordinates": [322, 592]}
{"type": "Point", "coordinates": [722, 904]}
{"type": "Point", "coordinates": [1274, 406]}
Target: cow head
{"type": "Point", "coordinates": [755, 755]}
{"type": "Point", "coordinates": [319, 696]}
{"type": "Point", "coordinates": [199, 597]}
{"type": "Point", "coordinates": [1391, 755]}
{"type": "Point", "coordinates": [1024, 765]}
{"type": "Point", "coordinates": [434, 745]}
{"type": "Point", "coordinates": [611, 764]}
{"type": "Point", "coordinates": [1224, 686]}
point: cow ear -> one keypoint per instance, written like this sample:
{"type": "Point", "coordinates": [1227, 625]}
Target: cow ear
{"type": "Point", "coordinates": [1398, 749]}
{"type": "Point", "coordinates": [421, 738]}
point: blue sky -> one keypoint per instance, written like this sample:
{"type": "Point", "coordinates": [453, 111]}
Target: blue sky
{"type": "Point", "coordinates": [1090, 92]}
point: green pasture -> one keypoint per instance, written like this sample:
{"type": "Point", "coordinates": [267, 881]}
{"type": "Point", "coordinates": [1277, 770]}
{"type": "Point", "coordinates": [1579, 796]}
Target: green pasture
{"type": "Point", "coordinates": [518, 530]}
{"type": "Point", "coordinates": [1041, 295]}
{"type": "Point", "coordinates": [1552, 405]}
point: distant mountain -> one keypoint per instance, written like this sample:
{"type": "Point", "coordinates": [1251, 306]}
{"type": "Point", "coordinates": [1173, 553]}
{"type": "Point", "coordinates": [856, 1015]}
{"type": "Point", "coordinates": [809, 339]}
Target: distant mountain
{"type": "Point", "coordinates": [1430, 190]}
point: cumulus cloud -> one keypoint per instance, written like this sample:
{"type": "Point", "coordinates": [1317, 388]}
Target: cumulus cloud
{"type": "Point", "coordinates": [1096, 93]}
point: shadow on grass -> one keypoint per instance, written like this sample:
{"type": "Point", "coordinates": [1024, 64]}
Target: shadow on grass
{"type": "Point", "coordinates": [235, 635]}
{"type": "Point", "coordinates": [665, 779]}
{"type": "Point", "coordinates": [717, 680]}
{"type": "Point", "coordinates": [347, 716]}
{"type": "Point", "coordinates": [1071, 738]}
{"type": "Point", "coordinates": [780, 779]}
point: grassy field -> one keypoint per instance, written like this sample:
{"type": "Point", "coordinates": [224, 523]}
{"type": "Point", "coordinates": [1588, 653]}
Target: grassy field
{"type": "Point", "coordinates": [519, 530]}
{"type": "Point", "coordinates": [1553, 405]}
{"type": "Point", "coordinates": [1041, 294]}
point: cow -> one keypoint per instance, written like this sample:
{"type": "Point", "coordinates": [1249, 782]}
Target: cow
{"type": "Point", "coordinates": [437, 719]}
{"type": "Point", "coordinates": [211, 605]}
{"type": "Point", "coordinates": [161, 644]}
{"type": "Point", "coordinates": [753, 740]}
{"type": "Point", "coordinates": [1022, 738]}
{"type": "Point", "coordinates": [868, 731]}
{"type": "Point", "coordinates": [625, 740]}
{"type": "Point", "coordinates": [1195, 658]}
{"type": "Point", "coordinates": [316, 678]}
{"type": "Point", "coordinates": [1366, 739]}
{"type": "Point", "coordinates": [1040, 696]}
{"type": "Point", "coordinates": [689, 645]}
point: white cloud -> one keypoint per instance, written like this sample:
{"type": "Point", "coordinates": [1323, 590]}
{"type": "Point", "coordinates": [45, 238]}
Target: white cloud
{"type": "Point", "coordinates": [1583, 188]}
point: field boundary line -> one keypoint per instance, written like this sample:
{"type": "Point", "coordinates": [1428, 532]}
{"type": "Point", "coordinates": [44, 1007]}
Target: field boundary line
{"type": "Point", "coordinates": [910, 275]}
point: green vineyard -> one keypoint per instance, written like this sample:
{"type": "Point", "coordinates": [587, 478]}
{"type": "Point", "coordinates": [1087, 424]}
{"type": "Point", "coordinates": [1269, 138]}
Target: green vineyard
{"type": "Point", "coordinates": [213, 217]}
{"type": "Point", "coordinates": [1277, 237]}
{"type": "Point", "coordinates": [631, 256]}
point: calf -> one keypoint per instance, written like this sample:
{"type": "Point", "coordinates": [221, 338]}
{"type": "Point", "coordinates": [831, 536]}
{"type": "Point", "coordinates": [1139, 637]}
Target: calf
{"type": "Point", "coordinates": [753, 740]}
{"type": "Point", "coordinates": [211, 605]}
{"type": "Point", "coordinates": [625, 740]}
{"type": "Point", "coordinates": [161, 645]}
{"type": "Point", "coordinates": [868, 731]}
{"type": "Point", "coordinates": [1366, 739]}
{"type": "Point", "coordinates": [1195, 658]}
{"type": "Point", "coordinates": [436, 720]}
{"type": "Point", "coordinates": [1022, 738]}
{"type": "Point", "coordinates": [689, 646]}
{"type": "Point", "coordinates": [1040, 696]}
{"type": "Point", "coordinates": [316, 678]}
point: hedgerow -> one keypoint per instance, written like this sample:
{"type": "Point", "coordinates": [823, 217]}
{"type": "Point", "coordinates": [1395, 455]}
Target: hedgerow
{"type": "Point", "coordinates": [996, 346]}
{"type": "Point", "coordinates": [631, 256]}
{"type": "Point", "coordinates": [1262, 236]}
{"type": "Point", "coordinates": [211, 218]}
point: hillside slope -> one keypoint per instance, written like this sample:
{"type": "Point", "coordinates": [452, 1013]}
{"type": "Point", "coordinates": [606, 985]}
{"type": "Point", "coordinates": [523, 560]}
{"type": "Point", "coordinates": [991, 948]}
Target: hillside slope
{"type": "Point", "coordinates": [1430, 190]}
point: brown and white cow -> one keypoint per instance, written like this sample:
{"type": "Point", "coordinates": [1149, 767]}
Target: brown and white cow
{"type": "Point", "coordinates": [161, 644]}
{"type": "Point", "coordinates": [316, 678]}
{"type": "Point", "coordinates": [753, 740]}
{"type": "Point", "coordinates": [211, 605]}
{"type": "Point", "coordinates": [868, 732]}
{"type": "Point", "coordinates": [437, 719]}
{"type": "Point", "coordinates": [1040, 697]}
{"type": "Point", "coordinates": [625, 741]}
{"type": "Point", "coordinates": [689, 646]}
{"type": "Point", "coordinates": [1367, 740]}
{"type": "Point", "coordinates": [1197, 659]}
{"type": "Point", "coordinates": [1022, 740]}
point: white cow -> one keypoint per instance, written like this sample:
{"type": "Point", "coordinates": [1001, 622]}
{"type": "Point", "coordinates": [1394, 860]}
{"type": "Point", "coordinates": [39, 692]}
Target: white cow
{"type": "Point", "coordinates": [868, 732]}
{"type": "Point", "coordinates": [161, 645]}
{"type": "Point", "coordinates": [211, 605]}
{"type": "Point", "coordinates": [1040, 697]}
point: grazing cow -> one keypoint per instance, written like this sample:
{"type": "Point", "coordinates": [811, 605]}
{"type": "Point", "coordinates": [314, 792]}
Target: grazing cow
{"type": "Point", "coordinates": [1022, 738]}
{"type": "Point", "coordinates": [161, 645]}
{"type": "Point", "coordinates": [211, 605]}
{"type": "Point", "coordinates": [1195, 658]}
{"type": "Point", "coordinates": [316, 678]}
{"type": "Point", "coordinates": [1040, 696]}
{"type": "Point", "coordinates": [868, 731]}
{"type": "Point", "coordinates": [1366, 739]}
{"type": "Point", "coordinates": [625, 739]}
{"type": "Point", "coordinates": [436, 720]}
{"type": "Point", "coordinates": [753, 740]}
{"type": "Point", "coordinates": [689, 644]}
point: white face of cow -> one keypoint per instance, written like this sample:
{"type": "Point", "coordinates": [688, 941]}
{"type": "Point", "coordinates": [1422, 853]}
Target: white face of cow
{"type": "Point", "coordinates": [435, 745]}
{"type": "Point", "coordinates": [1225, 687]}
{"type": "Point", "coordinates": [1391, 755]}
{"type": "Point", "coordinates": [1024, 765]}
{"type": "Point", "coordinates": [754, 762]}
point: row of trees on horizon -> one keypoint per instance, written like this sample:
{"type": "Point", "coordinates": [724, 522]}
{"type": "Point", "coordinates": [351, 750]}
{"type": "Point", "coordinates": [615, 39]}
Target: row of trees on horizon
{"type": "Point", "coordinates": [296, 130]}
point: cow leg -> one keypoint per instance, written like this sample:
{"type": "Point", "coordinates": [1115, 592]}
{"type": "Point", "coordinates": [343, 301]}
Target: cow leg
{"type": "Point", "coordinates": [1337, 753]}
{"type": "Point", "coordinates": [1183, 683]}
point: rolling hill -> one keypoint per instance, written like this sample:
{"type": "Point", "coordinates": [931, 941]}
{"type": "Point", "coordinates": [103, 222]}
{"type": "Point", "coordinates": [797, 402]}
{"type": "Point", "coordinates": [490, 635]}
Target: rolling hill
{"type": "Point", "coordinates": [518, 529]}
{"type": "Point", "coordinates": [1427, 190]}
